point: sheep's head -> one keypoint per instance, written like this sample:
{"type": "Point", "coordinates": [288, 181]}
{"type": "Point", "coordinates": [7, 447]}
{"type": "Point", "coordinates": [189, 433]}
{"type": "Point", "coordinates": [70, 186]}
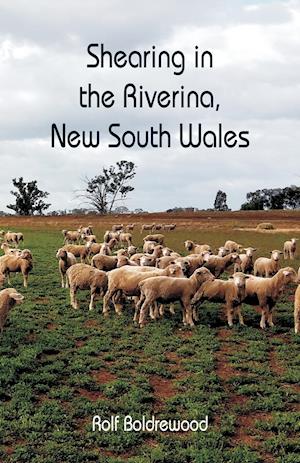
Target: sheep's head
{"type": "Point", "coordinates": [275, 254]}
{"type": "Point", "coordinates": [185, 265]}
{"type": "Point", "coordinates": [15, 296]}
{"type": "Point", "coordinates": [64, 232]}
{"type": "Point", "coordinates": [203, 274]}
{"type": "Point", "coordinates": [122, 260]}
{"type": "Point", "coordinates": [189, 245]}
{"type": "Point", "coordinates": [235, 258]}
{"type": "Point", "coordinates": [294, 240]}
{"type": "Point", "coordinates": [146, 261]}
{"type": "Point", "coordinates": [289, 275]}
{"type": "Point", "coordinates": [26, 254]}
{"type": "Point", "coordinates": [239, 279]}
{"type": "Point", "coordinates": [206, 256]}
{"type": "Point", "coordinates": [131, 250]}
{"type": "Point", "coordinates": [249, 251]}
{"type": "Point", "coordinates": [61, 254]}
{"type": "Point", "coordinates": [222, 251]}
{"type": "Point", "coordinates": [175, 270]}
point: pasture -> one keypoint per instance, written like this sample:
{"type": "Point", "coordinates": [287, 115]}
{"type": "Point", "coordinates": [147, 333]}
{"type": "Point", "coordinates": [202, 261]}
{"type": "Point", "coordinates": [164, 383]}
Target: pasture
{"type": "Point", "coordinates": [60, 367]}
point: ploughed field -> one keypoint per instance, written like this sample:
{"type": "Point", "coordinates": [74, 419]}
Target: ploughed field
{"type": "Point", "coordinates": [60, 367]}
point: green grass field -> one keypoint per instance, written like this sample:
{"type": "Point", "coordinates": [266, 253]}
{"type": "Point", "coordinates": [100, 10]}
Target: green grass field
{"type": "Point", "coordinates": [59, 367]}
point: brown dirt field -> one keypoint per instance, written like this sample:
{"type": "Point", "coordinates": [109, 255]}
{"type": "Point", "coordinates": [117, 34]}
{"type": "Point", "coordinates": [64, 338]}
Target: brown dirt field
{"type": "Point", "coordinates": [283, 220]}
{"type": "Point", "coordinates": [103, 377]}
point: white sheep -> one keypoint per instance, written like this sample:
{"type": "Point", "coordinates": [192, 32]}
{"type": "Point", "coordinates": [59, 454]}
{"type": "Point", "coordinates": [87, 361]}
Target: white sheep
{"type": "Point", "coordinates": [289, 248]}
{"type": "Point", "coordinates": [8, 298]}
{"type": "Point", "coordinates": [263, 266]}
{"type": "Point", "coordinates": [246, 265]}
{"type": "Point", "coordinates": [66, 260]}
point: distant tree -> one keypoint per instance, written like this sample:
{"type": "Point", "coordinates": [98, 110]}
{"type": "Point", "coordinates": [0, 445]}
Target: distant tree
{"type": "Point", "coordinates": [220, 203]}
{"type": "Point", "coordinates": [121, 210]}
{"type": "Point", "coordinates": [273, 198]}
{"type": "Point", "coordinates": [29, 198]}
{"type": "Point", "coordinates": [112, 185]}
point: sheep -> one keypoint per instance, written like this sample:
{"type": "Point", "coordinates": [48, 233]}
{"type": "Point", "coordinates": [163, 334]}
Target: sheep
{"type": "Point", "coordinates": [158, 238]}
{"type": "Point", "coordinates": [264, 292]}
{"type": "Point", "coordinates": [222, 251]}
{"type": "Point", "coordinates": [71, 236]}
{"type": "Point", "coordinates": [125, 280]}
{"type": "Point", "coordinates": [125, 238]}
{"type": "Point", "coordinates": [147, 227]}
{"type": "Point", "coordinates": [109, 235]}
{"type": "Point", "coordinates": [131, 250]}
{"type": "Point", "coordinates": [164, 289]}
{"type": "Point", "coordinates": [8, 251]}
{"type": "Point", "coordinates": [246, 265]}
{"type": "Point", "coordinates": [148, 246]}
{"type": "Point", "coordinates": [20, 237]}
{"type": "Point", "coordinates": [129, 227]}
{"type": "Point", "coordinates": [17, 264]}
{"type": "Point", "coordinates": [86, 230]}
{"type": "Point", "coordinates": [297, 310]}
{"type": "Point", "coordinates": [78, 250]}
{"type": "Point", "coordinates": [289, 249]}
{"type": "Point", "coordinates": [89, 238]}
{"type": "Point", "coordinates": [9, 297]}
{"type": "Point", "coordinates": [217, 265]}
{"type": "Point", "coordinates": [232, 246]}
{"type": "Point", "coordinates": [191, 262]}
{"type": "Point", "coordinates": [157, 252]}
{"type": "Point", "coordinates": [164, 261]}
{"type": "Point", "coordinates": [195, 248]}
{"type": "Point", "coordinates": [170, 227]}
{"type": "Point", "coordinates": [231, 292]}
{"type": "Point", "coordinates": [83, 276]}
{"type": "Point", "coordinates": [66, 260]}
{"type": "Point", "coordinates": [10, 237]}
{"type": "Point", "coordinates": [264, 266]}
{"type": "Point", "coordinates": [107, 263]}
{"type": "Point", "coordinates": [117, 227]}
{"type": "Point", "coordinates": [157, 226]}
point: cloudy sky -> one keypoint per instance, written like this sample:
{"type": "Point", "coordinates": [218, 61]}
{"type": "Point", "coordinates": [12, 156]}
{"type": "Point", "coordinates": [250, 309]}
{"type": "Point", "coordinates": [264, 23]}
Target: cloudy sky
{"type": "Point", "coordinates": [256, 80]}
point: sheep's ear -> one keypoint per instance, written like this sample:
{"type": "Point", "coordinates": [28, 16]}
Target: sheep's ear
{"type": "Point", "coordinates": [17, 297]}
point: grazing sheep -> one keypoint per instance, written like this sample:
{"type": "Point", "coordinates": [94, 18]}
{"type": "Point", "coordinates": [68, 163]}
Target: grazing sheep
{"type": "Point", "coordinates": [246, 265]}
{"type": "Point", "coordinates": [147, 227]}
{"type": "Point", "coordinates": [10, 237]}
{"type": "Point", "coordinates": [195, 248]}
{"type": "Point", "coordinates": [163, 289]}
{"type": "Point", "coordinates": [8, 251]}
{"type": "Point", "coordinates": [125, 239]}
{"type": "Point", "coordinates": [89, 238]}
{"type": "Point", "coordinates": [71, 237]}
{"type": "Point", "coordinates": [231, 293]}
{"type": "Point", "coordinates": [264, 292]}
{"type": "Point", "coordinates": [158, 238]}
{"type": "Point", "coordinates": [117, 227]}
{"type": "Point", "coordinates": [297, 310]}
{"type": "Point", "coordinates": [17, 264]}
{"type": "Point", "coordinates": [232, 246]}
{"type": "Point", "coordinates": [157, 226]}
{"type": "Point", "coordinates": [110, 235]}
{"type": "Point", "coordinates": [78, 250]}
{"type": "Point", "coordinates": [66, 260]}
{"type": "Point", "coordinates": [129, 227]}
{"type": "Point", "coordinates": [217, 265]}
{"type": "Point", "coordinates": [9, 297]}
{"type": "Point", "coordinates": [264, 266]}
{"type": "Point", "coordinates": [170, 227]}
{"type": "Point", "coordinates": [83, 276]}
{"type": "Point", "coordinates": [289, 249]}
{"type": "Point", "coordinates": [125, 281]}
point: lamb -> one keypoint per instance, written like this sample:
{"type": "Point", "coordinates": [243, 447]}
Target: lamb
{"type": "Point", "coordinates": [9, 297]}
{"type": "Point", "coordinates": [231, 293]}
{"type": "Point", "coordinates": [78, 250]}
{"type": "Point", "coordinates": [232, 246]}
{"type": "Point", "coordinates": [217, 265]}
{"type": "Point", "coordinates": [165, 290]}
{"type": "Point", "coordinates": [267, 267]}
{"type": "Point", "coordinates": [195, 248]}
{"type": "Point", "coordinates": [71, 236]}
{"type": "Point", "coordinates": [125, 238]}
{"type": "Point", "coordinates": [117, 227]}
{"type": "Point", "coordinates": [297, 310]}
{"type": "Point", "coordinates": [246, 265]}
{"type": "Point", "coordinates": [17, 264]}
{"type": "Point", "coordinates": [125, 281]}
{"type": "Point", "coordinates": [66, 260]}
{"type": "Point", "coordinates": [158, 238]}
{"type": "Point", "coordinates": [264, 292]}
{"type": "Point", "coordinates": [83, 276]}
{"type": "Point", "coordinates": [289, 249]}
{"type": "Point", "coordinates": [8, 251]}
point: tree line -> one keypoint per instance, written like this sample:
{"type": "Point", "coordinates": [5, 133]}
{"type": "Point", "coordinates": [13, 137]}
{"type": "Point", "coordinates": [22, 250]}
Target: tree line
{"type": "Point", "coordinates": [104, 191]}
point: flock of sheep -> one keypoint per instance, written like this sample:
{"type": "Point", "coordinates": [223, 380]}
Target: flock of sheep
{"type": "Point", "coordinates": [157, 277]}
